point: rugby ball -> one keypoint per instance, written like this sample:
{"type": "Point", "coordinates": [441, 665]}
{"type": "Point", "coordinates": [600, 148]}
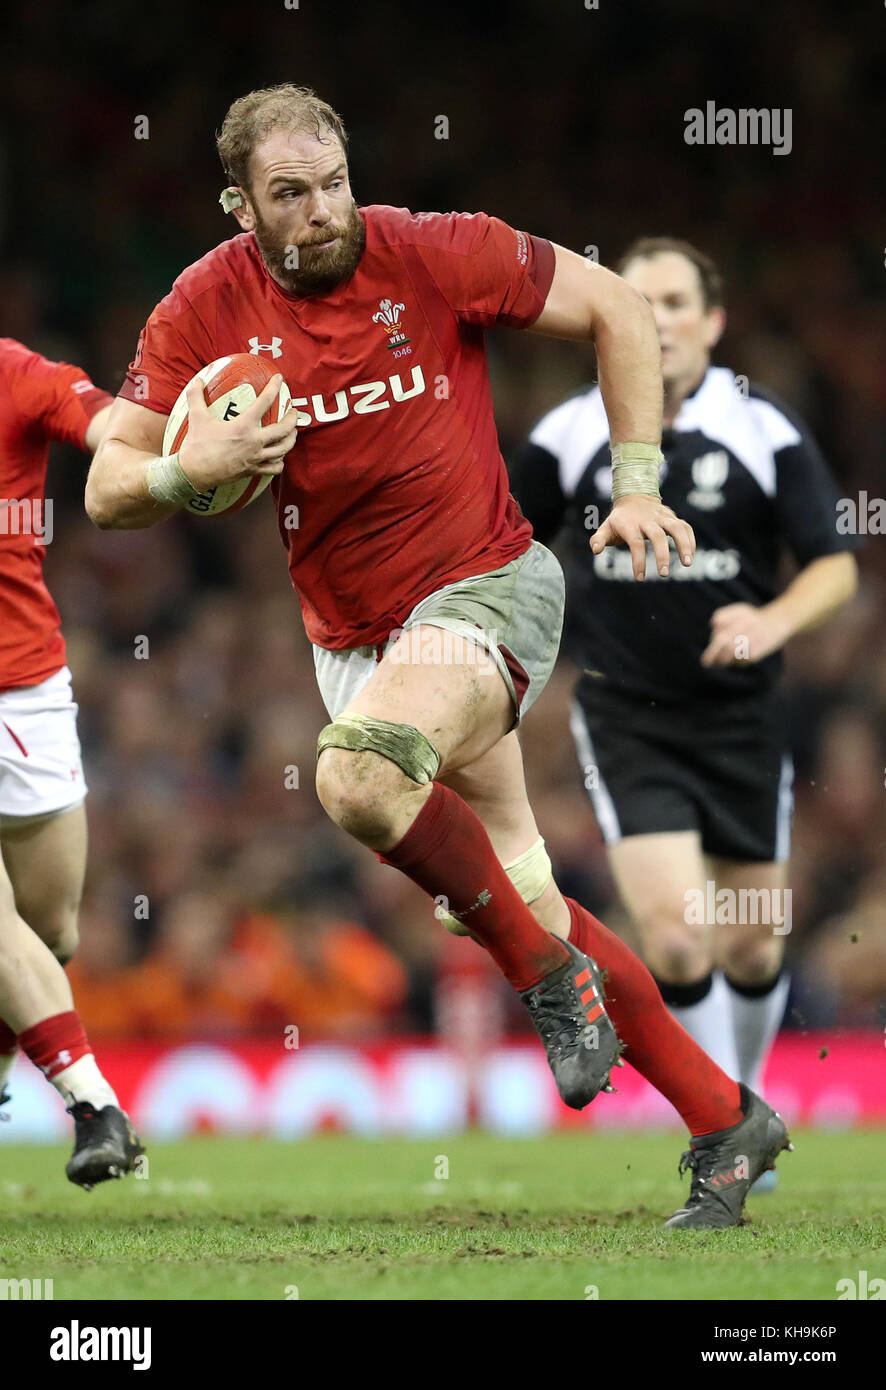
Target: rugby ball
{"type": "Point", "coordinates": [230, 385]}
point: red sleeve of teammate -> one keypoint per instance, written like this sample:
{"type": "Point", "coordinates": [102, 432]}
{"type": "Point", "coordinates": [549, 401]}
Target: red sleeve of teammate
{"type": "Point", "coordinates": [488, 272]}
{"type": "Point", "coordinates": [54, 396]}
{"type": "Point", "coordinates": [172, 347]}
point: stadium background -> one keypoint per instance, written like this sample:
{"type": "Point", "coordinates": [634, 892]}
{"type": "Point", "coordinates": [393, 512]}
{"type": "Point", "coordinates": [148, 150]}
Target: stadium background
{"type": "Point", "coordinates": [220, 905]}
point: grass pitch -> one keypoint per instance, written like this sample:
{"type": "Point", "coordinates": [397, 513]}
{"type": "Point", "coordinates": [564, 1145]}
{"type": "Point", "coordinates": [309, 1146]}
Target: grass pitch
{"type": "Point", "coordinates": [343, 1218]}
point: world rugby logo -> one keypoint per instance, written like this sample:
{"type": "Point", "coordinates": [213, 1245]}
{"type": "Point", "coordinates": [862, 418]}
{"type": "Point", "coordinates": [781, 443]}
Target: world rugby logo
{"type": "Point", "coordinates": [709, 473]}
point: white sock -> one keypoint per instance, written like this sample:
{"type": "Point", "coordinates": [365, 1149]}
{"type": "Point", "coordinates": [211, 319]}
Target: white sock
{"type": "Point", "coordinates": [756, 1020]}
{"type": "Point", "coordinates": [706, 1018]}
{"type": "Point", "coordinates": [82, 1080]}
{"type": "Point", "coordinates": [7, 1060]}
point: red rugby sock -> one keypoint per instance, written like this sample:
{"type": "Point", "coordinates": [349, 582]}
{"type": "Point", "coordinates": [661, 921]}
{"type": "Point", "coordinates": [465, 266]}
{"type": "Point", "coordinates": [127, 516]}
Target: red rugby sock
{"type": "Point", "coordinates": [657, 1045]}
{"type": "Point", "coordinates": [55, 1043]}
{"type": "Point", "coordinates": [447, 852]}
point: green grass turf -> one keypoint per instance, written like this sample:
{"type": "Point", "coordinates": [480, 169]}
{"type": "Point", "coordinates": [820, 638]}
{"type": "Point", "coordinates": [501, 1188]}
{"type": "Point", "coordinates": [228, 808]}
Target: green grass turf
{"type": "Point", "coordinates": [345, 1218]}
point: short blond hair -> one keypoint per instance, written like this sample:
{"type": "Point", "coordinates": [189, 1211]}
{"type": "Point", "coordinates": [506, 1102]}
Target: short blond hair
{"type": "Point", "coordinates": [250, 119]}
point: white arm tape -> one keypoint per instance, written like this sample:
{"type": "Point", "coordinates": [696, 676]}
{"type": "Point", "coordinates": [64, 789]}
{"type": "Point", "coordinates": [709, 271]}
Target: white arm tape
{"type": "Point", "coordinates": [167, 482]}
{"type": "Point", "coordinates": [635, 468]}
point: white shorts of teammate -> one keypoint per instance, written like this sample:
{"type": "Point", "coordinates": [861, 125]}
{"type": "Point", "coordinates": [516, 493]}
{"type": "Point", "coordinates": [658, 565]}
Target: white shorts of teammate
{"type": "Point", "coordinates": [41, 771]}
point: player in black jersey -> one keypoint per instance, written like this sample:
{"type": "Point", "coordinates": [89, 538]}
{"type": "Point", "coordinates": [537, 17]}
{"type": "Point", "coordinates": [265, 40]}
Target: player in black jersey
{"type": "Point", "coordinates": [677, 718]}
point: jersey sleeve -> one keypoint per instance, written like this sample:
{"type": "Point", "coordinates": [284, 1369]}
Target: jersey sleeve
{"type": "Point", "coordinates": [806, 499]}
{"type": "Point", "coordinates": [172, 347]}
{"type": "Point", "coordinates": [55, 397]}
{"type": "Point", "coordinates": [486, 270]}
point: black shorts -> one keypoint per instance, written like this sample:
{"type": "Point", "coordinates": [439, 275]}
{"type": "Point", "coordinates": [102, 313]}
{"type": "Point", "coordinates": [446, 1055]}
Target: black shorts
{"type": "Point", "coordinates": [722, 769]}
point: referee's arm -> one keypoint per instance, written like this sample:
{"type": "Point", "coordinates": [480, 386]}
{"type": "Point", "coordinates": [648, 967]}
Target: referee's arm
{"type": "Point", "coordinates": [739, 631]}
{"type": "Point", "coordinates": [806, 505]}
{"type": "Point", "coordinates": [817, 592]}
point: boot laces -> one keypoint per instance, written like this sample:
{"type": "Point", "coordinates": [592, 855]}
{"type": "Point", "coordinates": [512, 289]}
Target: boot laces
{"type": "Point", "coordinates": [691, 1161]}
{"type": "Point", "coordinates": [555, 1022]}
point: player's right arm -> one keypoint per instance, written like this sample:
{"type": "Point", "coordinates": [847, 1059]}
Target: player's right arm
{"type": "Point", "coordinates": [214, 451]}
{"type": "Point", "coordinates": [491, 273]}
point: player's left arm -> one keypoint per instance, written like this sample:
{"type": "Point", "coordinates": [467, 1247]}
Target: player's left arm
{"type": "Point", "coordinates": [806, 510]}
{"type": "Point", "coordinates": [587, 303]}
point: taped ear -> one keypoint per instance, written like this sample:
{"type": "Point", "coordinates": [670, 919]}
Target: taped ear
{"type": "Point", "coordinates": [231, 198]}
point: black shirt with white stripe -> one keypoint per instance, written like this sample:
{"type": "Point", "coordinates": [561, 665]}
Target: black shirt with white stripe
{"type": "Point", "coordinates": [748, 477]}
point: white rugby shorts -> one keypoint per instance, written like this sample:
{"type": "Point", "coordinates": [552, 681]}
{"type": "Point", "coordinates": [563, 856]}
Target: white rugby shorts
{"type": "Point", "coordinates": [41, 770]}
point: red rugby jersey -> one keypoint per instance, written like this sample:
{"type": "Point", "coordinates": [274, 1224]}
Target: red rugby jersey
{"type": "Point", "coordinates": [396, 485]}
{"type": "Point", "coordinates": [39, 401]}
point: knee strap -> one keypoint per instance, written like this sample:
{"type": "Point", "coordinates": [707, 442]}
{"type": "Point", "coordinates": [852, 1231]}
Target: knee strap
{"type": "Point", "coordinates": [401, 743]}
{"type": "Point", "coordinates": [530, 874]}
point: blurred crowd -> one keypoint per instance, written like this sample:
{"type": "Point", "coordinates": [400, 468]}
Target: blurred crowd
{"type": "Point", "coordinates": [219, 899]}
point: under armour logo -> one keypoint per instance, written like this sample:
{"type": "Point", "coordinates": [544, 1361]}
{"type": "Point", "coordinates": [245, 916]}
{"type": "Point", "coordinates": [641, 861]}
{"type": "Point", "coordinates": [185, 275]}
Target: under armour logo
{"type": "Point", "coordinates": [273, 347]}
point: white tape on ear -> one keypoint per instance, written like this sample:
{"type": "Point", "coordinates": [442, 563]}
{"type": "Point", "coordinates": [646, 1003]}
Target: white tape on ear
{"type": "Point", "coordinates": [231, 198]}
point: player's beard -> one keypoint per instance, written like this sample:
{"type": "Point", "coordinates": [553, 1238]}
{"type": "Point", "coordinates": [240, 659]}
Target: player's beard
{"type": "Point", "coordinates": [318, 270]}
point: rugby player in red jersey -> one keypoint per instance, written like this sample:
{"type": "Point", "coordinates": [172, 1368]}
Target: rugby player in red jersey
{"type": "Point", "coordinates": [434, 616]}
{"type": "Point", "coordinates": [42, 816]}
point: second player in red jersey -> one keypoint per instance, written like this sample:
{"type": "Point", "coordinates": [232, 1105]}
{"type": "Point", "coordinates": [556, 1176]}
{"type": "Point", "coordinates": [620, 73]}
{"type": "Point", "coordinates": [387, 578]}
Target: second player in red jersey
{"type": "Point", "coordinates": [39, 401]}
{"type": "Point", "coordinates": [42, 817]}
